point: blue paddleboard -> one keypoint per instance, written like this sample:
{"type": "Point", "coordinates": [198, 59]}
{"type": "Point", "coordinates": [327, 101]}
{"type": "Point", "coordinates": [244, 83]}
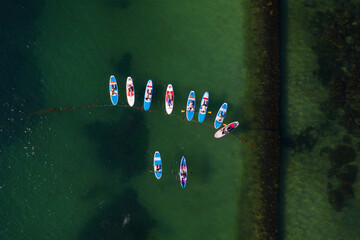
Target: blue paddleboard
{"type": "Point", "coordinates": [113, 88]}
{"type": "Point", "coordinates": [183, 172]}
{"type": "Point", "coordinates": [190, 106]}
{"type": "Point", "coordinates": [220, 116]}
{"type": "Point", "coordinates": [203, 107]}
{"type": "Point", "coordinates": [148, 95]}
{"type": "Point", "coordinates": [157, 165]}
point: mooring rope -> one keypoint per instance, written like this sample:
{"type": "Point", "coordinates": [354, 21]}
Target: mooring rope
{"type": "Point", "coordinates": [138, 108]}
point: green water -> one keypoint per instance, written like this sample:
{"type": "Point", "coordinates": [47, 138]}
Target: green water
{"type": "Point", "coordinates": [306, 211]}
{"type": "Point", "coordinates": [86, 173]}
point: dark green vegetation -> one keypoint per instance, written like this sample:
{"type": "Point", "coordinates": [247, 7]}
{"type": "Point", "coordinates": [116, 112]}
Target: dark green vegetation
{"type": "Point", "coordinates": [265, 99]}
{"type": "Point", "coordinates": [304, 141]}
{"type": "Point", "coordinates": [338, 48]}
{"type": "Point", "coordinates": [18, 69]}
{"type": "Point", "coordinates": [319, 182]}
{"type": "Point", "coordinates": [341, 175]}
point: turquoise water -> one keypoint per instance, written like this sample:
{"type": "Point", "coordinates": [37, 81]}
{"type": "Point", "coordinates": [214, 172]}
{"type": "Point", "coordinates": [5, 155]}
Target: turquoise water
{"type": "Point", "coordinates": [86, 173]}
{"type": "Point", "coordinates": [317, 148]}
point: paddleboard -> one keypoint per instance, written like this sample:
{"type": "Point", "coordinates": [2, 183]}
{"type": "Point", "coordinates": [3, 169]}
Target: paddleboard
{"type": "Point", "coordinates": [169, 99]}
{"type": "Point", "coordinates": [220, 115]}
{"type": "Point", "coordinates": [190, 107]}
{"type": "Point", "coordinates": [157, 165]}
{"type": "Point", "coordinates": [227, 129]}
{"type": "Point", "coordinates": [113, 88]}
{"type": "Point", "coordinates": [148, 95]}
{"type": "Point", "coordinates": [203, 107]}
{"type": "Point", "coordinates": [183, 172]}
{"type": "Point", "coordinates": [130, 91]}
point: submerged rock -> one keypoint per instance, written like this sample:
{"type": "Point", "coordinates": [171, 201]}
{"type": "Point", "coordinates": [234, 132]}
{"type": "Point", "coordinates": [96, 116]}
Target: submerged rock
{"type": "Point", "coordinates": [348, 174]}
{"type": "Point", "coordinates": [351, 121]}
{"type": "Point", "coordinates": [341, 155]}
{"type": "Point", "coordinates": [332, 171]}
{"type": "Point", "coordinates": [341, 174]}
{"type": "Point", "coordinates": [305, 140]}
{"type": "Point", "coordinates": [325, 150]}
{"type": "Point", "coordinates": [336, 200]}
{"type": "Point", "coordinates": [337, 48]}
{"type": "Point", "coordinates": [347, 139]}
{"type": "Point", "coordinates": [346, 190]}
{"type": "Point", "coordinates": [337, 32]}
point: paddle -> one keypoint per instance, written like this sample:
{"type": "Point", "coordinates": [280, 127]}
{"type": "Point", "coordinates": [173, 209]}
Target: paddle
{"type": "Point", "coordinates": [209, 112]}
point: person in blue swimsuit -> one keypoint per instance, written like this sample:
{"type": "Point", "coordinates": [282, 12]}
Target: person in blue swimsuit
{"type": "Point", "coordinates": [170, 99]}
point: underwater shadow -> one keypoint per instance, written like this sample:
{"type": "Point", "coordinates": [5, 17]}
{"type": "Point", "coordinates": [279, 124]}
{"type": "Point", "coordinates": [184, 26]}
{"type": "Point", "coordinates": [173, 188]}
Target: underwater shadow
{"type": "Point", "coordinates": [122, 144]}
{"type": "Point", "coordinates": [124, 218]}
{"type": "Point", "coordinates": [123, 66]}
{"type": "Point", "coordinates": [159, 91]}
{"type": "Point", "coordinates": [204, 168]}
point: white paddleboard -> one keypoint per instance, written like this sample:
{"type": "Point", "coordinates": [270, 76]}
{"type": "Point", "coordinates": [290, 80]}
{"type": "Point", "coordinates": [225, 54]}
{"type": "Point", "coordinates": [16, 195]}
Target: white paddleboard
{"type": "Point", "coordinates": [169, 99]}
{"type": "Point", "coordinates": [226, 130]}
{"type": "Point", "coordinates": [130, 91]}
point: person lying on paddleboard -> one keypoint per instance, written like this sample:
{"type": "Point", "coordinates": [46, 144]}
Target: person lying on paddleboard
{"type": "Point", "coordinates": [158, 167]}
{"type": "Point", "coordinates": [228, 128]}
{"type": "Point", "coordinates": [148, 94]}
{"type": "Point", "coordinates": [191, 106]}
{"type": "Point", "coordinates": [170, 99]}
{"type": "Point", "coordinates": [113, 90]}
{"type": "Point", "coordinates": [203, 107]}
{"type": "Point", "coordinates": [183, 180]}
{"type": "Point", "coordinates": [220, 117]}
{"type": "Point", "coordinates": [130, 88]}
{"type": "Point", "coordinates": [183, 176]}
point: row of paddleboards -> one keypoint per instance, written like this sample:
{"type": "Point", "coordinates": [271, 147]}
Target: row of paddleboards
{"type": "Point", "coordinates": [220, 116]}
{"type": "Point", "coordinates": [130, 94]}
{"type": "Point", "coordinates": [182, 170]}
{"type": "Point", "coordinates": [169, 103]}
{"type": "Point", "coordinates": [130, 91]}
